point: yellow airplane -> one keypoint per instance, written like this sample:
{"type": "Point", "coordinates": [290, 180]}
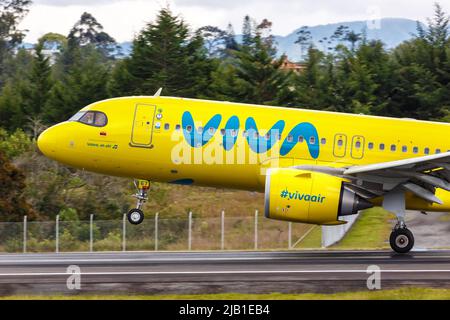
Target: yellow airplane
{"type": "Point", "coordinates": [315, 167]}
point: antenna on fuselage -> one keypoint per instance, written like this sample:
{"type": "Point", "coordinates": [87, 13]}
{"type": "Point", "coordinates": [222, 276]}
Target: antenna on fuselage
{"type": "Point", "coordinates": [158, 93]}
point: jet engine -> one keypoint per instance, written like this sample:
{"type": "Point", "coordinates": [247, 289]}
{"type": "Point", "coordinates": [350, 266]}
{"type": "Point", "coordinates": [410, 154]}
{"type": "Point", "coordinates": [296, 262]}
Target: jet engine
{"type": "Point", "coordinates": [310, 197]}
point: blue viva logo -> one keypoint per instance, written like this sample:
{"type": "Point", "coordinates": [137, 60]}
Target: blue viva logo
{"type": "Point", "coordinates": [285, 194]}
{"type": "Point", "coordinates": [263, 144]}
{"type": "Point", "coordinates": [195, 137]}
{"type": "Point", "coordinates": [199, 137]}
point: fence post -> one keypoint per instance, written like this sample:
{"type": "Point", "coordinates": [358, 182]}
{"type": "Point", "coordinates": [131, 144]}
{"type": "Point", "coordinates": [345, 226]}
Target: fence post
{"type": "Point", "coordinates": [222, 231]}
{"type": "Point", "coordinates": [190, 232]}
{"type": "Point", "coordinates": [91, 233]}
{"type": "Point", "coordinates": [256, 230]}
{"type": "Point", "coordinates": [57, 233]}
{"type": "Point", "coordinates": [24, 234]}
{"type": "Point", "coordinates": [290, 236]}
{"type": "Point", "coordinates": [156, 231]}
{"type": "Point", "coordinates": [124, 233]}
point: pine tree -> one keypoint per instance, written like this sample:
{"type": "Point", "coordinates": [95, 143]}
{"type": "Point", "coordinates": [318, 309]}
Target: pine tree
{"type": "Point", "coordinates": [254, 75]}
{"type": "Point", "coordinates": [230, 40]}
{"type": "Point", "coordinates": [247, 31]}
{"type": "Point", "coordinates": [84, 82]}
{"type": "Point", "coordinates": [12, 113]}
{"type": "Point", "coordinates": [422, 72]}
{"type": "Point", "coordinates": [35, 96]}
{"type": "Point", "coordinates": [11, 14]}
{"type": "Point", "coordinates": [166, 55]}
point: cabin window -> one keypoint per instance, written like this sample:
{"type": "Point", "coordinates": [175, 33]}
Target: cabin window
{"type": "Point", "coordinates": [416, 150]}
{"type": "Point", "coordinates": [312, 140]}
{"type": "Point", "coordinates": [438, 151]}
{"type": "Point", "coordinates": [268, 136]}
{"type": "Point", "coordinates": [340, 143]}
{"type": "Point", "coordinates": [92, 118]}
{"type": "Point", "coordinates": [167, 127]}
{"type": "Point", "coordinates": [393, 148]}
{"type": "Point", "coordinates": [234, 133]}
{"type": "Point", "coordinates": [200, 129]}
{"type": "Point", "coordinates": [404, 149]}
{"type": "Point", "coordinates": [223, 132]}
{"type": "Point", "coordinates": [189, 129]}
{"type": "Point", "coordinates": [427, 151]}
{"type": "Point", "coordinates": [212, 131]}
{"type": "Point", "coordinates": [245, 134]}
{"type": "Point", "coordinates": [290, 138]}
{"type": "Point", "coordinates": [301, 139]}
{"type": "Point", "coordinates": [371, 145]}
{"type": "Point", "coordinates": [178, 127]}
{"type": "Point", "coordinates": [358, 145]}
{"type": "Point", "coordinates": [323, 141]}
{"type": "Point", "coordinates": [382, 146]}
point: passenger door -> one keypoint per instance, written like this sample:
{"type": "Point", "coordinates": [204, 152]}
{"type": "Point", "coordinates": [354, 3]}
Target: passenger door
{"type": "Point", "coordinates": [358, 144]}
{"type": "Point", "coordinates": [340, 145]}
{"type": "Point", "coordinates": [142, 132]}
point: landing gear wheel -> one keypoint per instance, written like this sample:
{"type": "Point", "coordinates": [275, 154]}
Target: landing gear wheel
{"type": "Point", "coordinates": [135, 216]}
{"type": "Point", "coordinates": [402, 240]}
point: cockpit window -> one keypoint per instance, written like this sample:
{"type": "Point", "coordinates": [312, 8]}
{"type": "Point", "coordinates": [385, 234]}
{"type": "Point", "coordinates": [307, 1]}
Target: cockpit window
{"type": "Point", "coordinates": [88, 118]}
{"type": "Point", "coordinates": [91, 118]}
{"type": "Point", "coordinates": [77, 116]}
{"type": "Point", "coordinates": [100, 119]}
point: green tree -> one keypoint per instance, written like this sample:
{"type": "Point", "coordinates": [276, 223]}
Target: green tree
{"type": "Point", "coordinates": [88, 31]}
{"type": "Point", "coordinates": [230, 41]}
{"type": "Point", "coordinates": [13, 204]}
{"type": "Point", "coordinates": [253, 74]}
{"type": "Point", "coordinates": [84, 83]}
{"type": "Point", "coordinates": [11, 14]}
{"type": "Point", "coordinates": [36, 95]}
{"type": "Point", "coordinates": [422, 72]}
{"type": "Point", "coordinates": [165, 55]}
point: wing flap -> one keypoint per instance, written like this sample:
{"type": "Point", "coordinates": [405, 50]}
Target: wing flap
{"type": "Point", "coordinates": [433, 161]}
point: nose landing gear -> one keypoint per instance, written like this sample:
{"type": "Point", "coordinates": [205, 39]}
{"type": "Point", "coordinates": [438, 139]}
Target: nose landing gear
{"type": "Point", "coordinates": [136, 216]}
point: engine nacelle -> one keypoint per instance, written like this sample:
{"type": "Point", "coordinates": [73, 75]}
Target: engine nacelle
{"type": "Point", "coordinates": [309, 197]}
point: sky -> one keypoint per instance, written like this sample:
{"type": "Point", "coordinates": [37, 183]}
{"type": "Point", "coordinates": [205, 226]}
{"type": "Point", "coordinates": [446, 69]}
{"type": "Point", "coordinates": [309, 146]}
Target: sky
{"type": "Point", "coordinates": [123, 19]}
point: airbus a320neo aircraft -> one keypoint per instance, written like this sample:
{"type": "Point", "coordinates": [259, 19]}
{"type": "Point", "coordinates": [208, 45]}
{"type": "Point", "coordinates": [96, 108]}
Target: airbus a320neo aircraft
{"type": "Point", "coordinates": [314, 167]}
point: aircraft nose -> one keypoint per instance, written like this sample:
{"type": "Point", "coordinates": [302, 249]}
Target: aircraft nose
{"type": "Point", "coordinates": [46, 142]}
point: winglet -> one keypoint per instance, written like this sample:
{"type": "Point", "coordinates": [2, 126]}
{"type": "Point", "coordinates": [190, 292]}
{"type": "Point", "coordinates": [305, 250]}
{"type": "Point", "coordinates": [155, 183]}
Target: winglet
{"type": "Point", "coordinates": [158, 93]}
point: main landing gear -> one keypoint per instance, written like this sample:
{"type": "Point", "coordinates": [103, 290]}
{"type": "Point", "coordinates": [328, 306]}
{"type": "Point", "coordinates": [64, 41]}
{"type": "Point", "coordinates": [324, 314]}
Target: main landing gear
{"type": "Point", "coordinates": [136, 216]}
{"type": "Point", "coordinates": [402, 239]}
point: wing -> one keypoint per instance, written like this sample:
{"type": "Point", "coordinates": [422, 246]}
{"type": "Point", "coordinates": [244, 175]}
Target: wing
{"type": "Point", "coordinates": [420, 176]}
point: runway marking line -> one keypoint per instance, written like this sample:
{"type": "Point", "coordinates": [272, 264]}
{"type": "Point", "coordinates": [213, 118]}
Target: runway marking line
{"type": "Point", "coordinates": [19, 261]}
{"type": "Point", "coordinates": [214, 272]}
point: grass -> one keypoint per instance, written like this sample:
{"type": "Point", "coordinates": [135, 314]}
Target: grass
{"type": "Point", "coordinates": [398, 294]}
{"type": "Point", "coordinates": [370, 231]}
{"type": "Point", "coordinates": [313, 240]}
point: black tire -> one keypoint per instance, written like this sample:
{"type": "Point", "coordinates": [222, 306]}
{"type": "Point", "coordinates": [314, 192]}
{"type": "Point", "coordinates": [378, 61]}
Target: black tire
{"type": "Point", "coordinates": [135, 216]}
{"type": "Point", "coordinates": [402, 240]}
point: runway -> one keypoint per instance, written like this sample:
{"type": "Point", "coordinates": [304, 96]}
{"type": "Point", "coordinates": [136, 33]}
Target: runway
{"type": "Point", "coordinates": [217, 272]}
